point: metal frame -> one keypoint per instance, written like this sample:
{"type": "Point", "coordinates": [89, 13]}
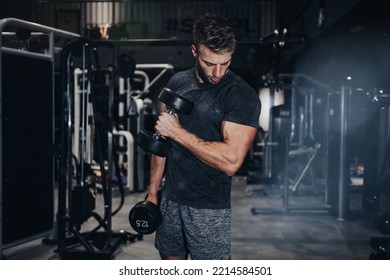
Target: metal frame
{"type": "Point", "coordinates": [344, 95]}
{"type": "Point", "coordinates": [48, 55]}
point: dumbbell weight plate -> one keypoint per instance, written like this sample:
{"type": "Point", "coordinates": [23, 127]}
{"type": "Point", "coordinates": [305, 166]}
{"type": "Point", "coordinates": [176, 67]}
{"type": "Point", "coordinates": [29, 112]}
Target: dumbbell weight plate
{"type": "Point", "coordinates": [155, 145]}
{"type": "Point", "coordinates": [175, 101]}
{"type": "Point", "coordinates": [145, 217]}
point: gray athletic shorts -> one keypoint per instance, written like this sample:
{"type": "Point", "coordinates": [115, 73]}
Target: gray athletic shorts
{"type": "Point", "coordinates": [204, 234]}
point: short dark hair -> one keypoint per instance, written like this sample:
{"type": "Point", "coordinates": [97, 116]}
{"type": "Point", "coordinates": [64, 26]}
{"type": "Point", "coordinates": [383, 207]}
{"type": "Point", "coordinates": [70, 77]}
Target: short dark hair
{"type": "Point", "coordinates": [214, 32]}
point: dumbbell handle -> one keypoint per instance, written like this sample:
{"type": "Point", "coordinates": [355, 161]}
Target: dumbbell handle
{"type": "Point", "coordinates": [157, 135]}
{"type": "Point", "coordinates": [170, 110]}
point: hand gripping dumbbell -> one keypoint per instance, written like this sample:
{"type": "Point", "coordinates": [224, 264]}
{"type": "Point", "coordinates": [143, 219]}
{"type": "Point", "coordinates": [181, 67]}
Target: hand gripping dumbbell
{"type": "Point", "coordinates": [145, 216]}
{"type": "Point", "coordinates": [155, 143]}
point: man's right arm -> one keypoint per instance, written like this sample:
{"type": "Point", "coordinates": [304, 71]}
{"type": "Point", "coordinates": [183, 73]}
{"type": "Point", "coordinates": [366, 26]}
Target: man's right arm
{"type": "Point", "coordinates": [157, 168]}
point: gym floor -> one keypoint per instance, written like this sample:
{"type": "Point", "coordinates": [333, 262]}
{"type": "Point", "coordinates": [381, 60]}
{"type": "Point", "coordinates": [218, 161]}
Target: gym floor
{"type": "Point", "coordinates": [269, 233]}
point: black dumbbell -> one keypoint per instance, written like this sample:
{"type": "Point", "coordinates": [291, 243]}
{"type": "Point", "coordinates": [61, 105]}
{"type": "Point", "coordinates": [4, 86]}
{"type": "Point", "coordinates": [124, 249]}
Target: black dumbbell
{"type": "Point", "coordinates": [155, 143]}
{"type": "Point", "coordinates": [145, 216]}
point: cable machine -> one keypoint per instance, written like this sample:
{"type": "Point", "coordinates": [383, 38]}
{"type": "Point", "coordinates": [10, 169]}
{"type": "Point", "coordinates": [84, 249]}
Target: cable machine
{"type": "Point", "coordinates": [295, 138]}
{"type": "Point", "coordinates": [77, 194]}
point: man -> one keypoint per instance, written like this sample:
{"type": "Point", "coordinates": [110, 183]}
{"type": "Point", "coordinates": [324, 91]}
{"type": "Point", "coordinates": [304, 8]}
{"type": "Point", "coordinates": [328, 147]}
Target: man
{"type": "Point", "coordinates": [208, 147]}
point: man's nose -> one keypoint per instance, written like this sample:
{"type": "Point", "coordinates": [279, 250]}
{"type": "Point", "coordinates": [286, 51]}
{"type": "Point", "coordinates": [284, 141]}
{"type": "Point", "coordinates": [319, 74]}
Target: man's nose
{"type": "Point", "coordinates": [217, 71]}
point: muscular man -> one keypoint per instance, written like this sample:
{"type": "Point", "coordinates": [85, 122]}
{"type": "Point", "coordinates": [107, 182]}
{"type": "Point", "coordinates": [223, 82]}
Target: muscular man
{"type": "Point", "coordinates": [208, 147]}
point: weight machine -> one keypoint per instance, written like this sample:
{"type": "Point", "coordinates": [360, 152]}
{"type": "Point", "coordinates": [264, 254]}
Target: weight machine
{"type": "Point", "coordinates": [77, 197]}
{"type": "Point", "coordinates": [294, 137]}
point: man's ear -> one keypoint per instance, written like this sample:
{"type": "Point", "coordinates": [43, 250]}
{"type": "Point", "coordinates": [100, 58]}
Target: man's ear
{"type": "Point", "coordinates": [193, 49]}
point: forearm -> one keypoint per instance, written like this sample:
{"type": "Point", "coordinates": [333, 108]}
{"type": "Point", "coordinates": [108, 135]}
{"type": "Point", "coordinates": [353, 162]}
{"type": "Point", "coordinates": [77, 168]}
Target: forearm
{"type": "Point", "coordinates": [157, 169]}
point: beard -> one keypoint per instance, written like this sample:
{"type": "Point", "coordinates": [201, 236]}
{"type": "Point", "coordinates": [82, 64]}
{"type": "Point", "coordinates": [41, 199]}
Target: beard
{"type": "Point", "coordinates": [207, 79]}
{"type": "Point", "coordinates": [202, 74]}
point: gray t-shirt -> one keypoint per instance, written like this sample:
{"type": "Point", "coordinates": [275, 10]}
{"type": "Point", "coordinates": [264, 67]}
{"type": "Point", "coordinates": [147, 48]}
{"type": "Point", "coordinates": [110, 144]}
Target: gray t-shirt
{"type": "Point", "coordinates": [188, 180]}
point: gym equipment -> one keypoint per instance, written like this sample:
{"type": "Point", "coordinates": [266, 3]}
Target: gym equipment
{"type": "Point", "coordinates": [155, 143]}
{"type": "Point", "coordinates": [292, 133]}
{"type": "Point", "coordinates": [74, 241]}
{"type": "Point", "coordinates": [126, 66]}
{"type": "Point", "coordinates": [145, 217]}
{"type": "Point", "coordinates": [27, 96]}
